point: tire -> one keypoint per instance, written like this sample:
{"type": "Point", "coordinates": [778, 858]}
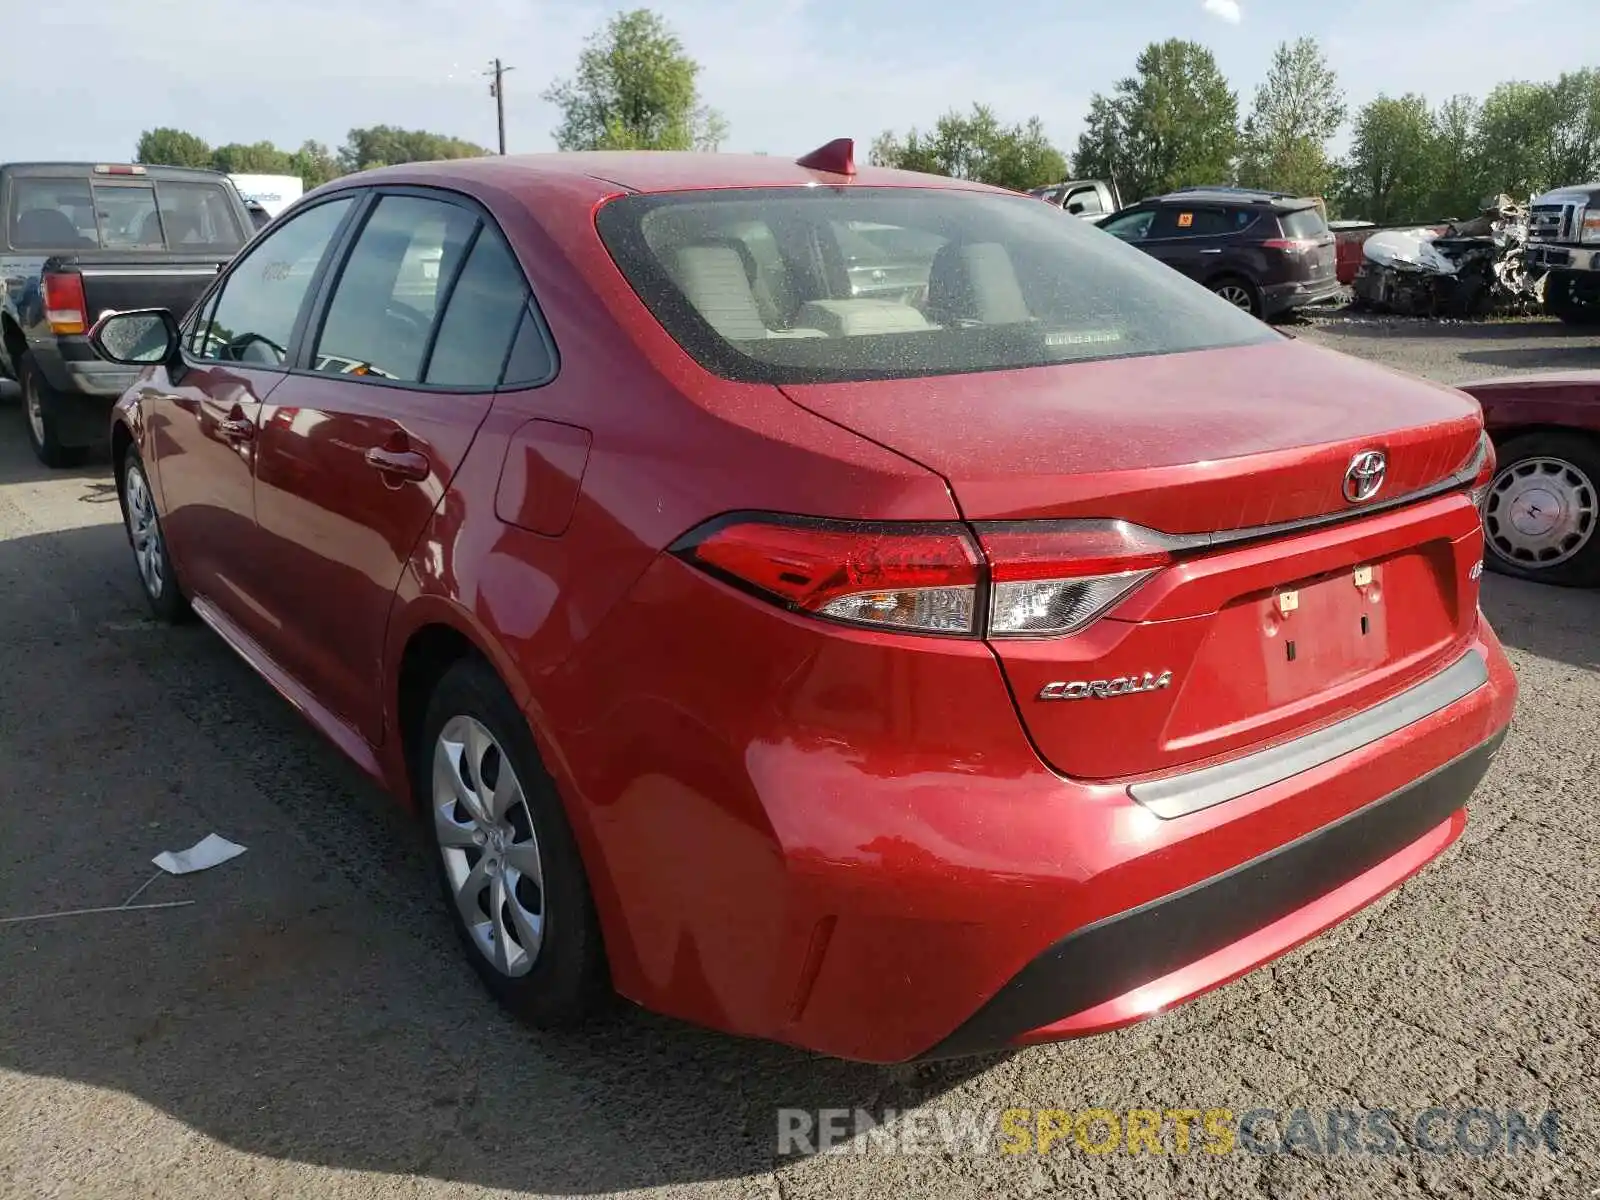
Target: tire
{"type": "Point", "coordinates": [1542, 509]}
{"type": "Point", "coordinates": [1572, 297]}
{"type": "Point", "coordinates": [471, 732]}
{"type": "Point", "coordinates": [1239, 292]}
{"type": "Point", "coordinates": [39, 412]}
{"type": "Point", "coordinates": [157, 578]}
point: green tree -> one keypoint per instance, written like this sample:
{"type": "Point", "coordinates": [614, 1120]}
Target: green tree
{"type": "Point", "coordinates": [1575, 139]}
{"type": "Point", "coordinates": [1456, 174]}
{"type": "Point", "coordinates": [165, 147]}
{"type": "Point", "coordinates": [259, 158]}
{"type": "Point", "coordinates": [1176, 119]}
{"type": "Point", "coordinates": [314, 163]}
{"type": "Point", "coordinates": [977, 146]}
{"type": "Point", "coordinates": [1389, 175]}
{"type": "Point", "coordinates": [1516, 138]}
{"type": "Point", "coordinates": [1296, 111]}
{"type": "Point", "coordinates": [387, 146]}
{"type": "Point", "coordinates": [635, 89]}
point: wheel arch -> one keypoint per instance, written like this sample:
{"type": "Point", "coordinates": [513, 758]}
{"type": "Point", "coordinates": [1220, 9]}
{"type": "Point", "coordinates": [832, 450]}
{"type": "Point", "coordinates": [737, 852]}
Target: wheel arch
{"type": "Point", "coordinates": [1502, 434]}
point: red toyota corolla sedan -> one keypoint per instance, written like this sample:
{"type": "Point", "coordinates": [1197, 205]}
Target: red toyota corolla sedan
{"type": "Point", "coordinates": [853, 608]}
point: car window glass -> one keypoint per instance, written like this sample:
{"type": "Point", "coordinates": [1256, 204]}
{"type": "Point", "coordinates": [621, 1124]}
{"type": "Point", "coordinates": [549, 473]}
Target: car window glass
{"type": "Point", "coordinates": [384, 304]}
{"type": "Point", "coordinates": [262, 296]}
{"type": "Point", "coordinates": [1190, 222]}
{"type": "Point", "coordinates": [485, 307]}
{"type": "Point", "coordinates": [52, 214]}
{"type": "Point", "coordinates": [531, 359]}
{"type": "Point", "coordinates": [1304, 223]}
{"type": "Point", "coordinates": [198, 215]}
{"type": "Point", "coordinates": [128, 218]}
{"type": "Point", "coordinates": [1130, 227]}
{"type": "Point", "coordinates": [1087, 200]}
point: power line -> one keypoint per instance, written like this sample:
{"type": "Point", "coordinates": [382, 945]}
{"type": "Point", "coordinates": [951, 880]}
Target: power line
{"type": "Point", "coordinates": [497, 89]}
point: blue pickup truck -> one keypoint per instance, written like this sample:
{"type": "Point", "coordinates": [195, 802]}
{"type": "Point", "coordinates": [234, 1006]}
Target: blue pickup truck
{"type": "Point", "coordinates": [78, 240]}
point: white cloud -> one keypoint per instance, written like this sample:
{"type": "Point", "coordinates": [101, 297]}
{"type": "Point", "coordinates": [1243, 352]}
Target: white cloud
{"type": "Point", "coordinates": [1226, 10]}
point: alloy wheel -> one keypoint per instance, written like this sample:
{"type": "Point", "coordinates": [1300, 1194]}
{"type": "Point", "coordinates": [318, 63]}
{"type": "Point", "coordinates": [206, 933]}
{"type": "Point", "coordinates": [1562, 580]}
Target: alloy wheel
{"type": "Point", "coordinates": [1236, 295]}
{"type": "Point", "coordinates": [34, 405]}
{"type": "Point", "coordinates": [491, 852]}
{"type": "Point", "coordinates": [1539, 512]}
{"type": "Point", "coordinates": [144, 530]}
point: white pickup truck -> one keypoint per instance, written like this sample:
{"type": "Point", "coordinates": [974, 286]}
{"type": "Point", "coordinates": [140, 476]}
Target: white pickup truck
{"type": "Point", "coordinates": [268, 195]}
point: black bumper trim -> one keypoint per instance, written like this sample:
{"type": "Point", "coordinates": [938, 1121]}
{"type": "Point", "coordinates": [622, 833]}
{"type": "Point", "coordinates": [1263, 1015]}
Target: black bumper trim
{"type": "Point", "coordinates": [1193, 791]}
{"type": "Point", "coordinates": [1113, 956]}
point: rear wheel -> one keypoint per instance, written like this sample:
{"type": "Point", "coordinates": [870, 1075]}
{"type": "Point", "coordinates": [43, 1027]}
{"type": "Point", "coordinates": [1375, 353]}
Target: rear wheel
{"type": "Point", "coordinates": [1541, 510]}
{"type": "Point", "coordinates": [1239, 292]}
{"type": "Point", "coordinates": [41, 405]}
{"type": "Point", "coordinates": [1573, 297]}
{"type": "Point", "coordinates": [505, 856]}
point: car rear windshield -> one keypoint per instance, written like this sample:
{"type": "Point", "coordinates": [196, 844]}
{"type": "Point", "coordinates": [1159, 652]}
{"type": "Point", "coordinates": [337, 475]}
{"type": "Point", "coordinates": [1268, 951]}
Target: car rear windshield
{"type": "Point", "coordinates": [74, 213]}
{"type": "Point", "coordinates": [1303, 223]}
{"type": "Point", "coordinates": [797, 285]}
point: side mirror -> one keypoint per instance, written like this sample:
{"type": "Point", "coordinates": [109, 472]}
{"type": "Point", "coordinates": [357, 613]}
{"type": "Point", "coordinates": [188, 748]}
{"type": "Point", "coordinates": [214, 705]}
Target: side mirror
{"type": "Point", "coordinates": [140, 338]}
{"type": "Point", "coordinates": [1076, 208]}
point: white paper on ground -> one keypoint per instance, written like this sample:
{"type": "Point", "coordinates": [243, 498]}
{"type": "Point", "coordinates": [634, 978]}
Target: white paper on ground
{"type": "Point", "coordinates": [203, 855]}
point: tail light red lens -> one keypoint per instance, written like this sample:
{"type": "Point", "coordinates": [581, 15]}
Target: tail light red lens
{"type": "Point", "coordinates": [1043, 579]}
{"type": "Point", "coordinates": [64, 308]}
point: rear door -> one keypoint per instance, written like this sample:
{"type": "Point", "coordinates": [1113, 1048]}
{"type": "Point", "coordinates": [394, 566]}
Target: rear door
{"type": "Point", "coordinates": [360, 444]}
{"type": "Point", "coordinates": [1190, 239]}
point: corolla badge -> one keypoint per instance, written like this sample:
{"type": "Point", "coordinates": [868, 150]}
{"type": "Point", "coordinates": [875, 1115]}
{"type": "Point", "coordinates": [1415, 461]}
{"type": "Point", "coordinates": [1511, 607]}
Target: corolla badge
{"type": "Point", "coordinates": [1105, 689]}
{"type": "Point", "coordinates": [1364, 476]}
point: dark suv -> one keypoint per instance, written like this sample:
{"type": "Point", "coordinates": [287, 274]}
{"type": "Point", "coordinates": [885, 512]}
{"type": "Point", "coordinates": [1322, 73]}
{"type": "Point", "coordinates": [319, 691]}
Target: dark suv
{"type": "Point", "coordinates": [1267, 252]}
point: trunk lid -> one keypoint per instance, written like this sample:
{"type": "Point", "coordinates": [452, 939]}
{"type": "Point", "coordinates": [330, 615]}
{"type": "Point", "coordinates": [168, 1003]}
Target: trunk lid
{"type": "Point", "coordinates": [1258, 638]}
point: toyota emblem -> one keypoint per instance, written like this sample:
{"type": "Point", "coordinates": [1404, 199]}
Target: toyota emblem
{"type": "Point", "coordinates": [1364, 476]}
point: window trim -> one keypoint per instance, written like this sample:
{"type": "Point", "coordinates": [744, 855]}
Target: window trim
{"type": "Point", "coordinates": [341, 250]}
{"type": "Point", "coordinates": [212, 296]}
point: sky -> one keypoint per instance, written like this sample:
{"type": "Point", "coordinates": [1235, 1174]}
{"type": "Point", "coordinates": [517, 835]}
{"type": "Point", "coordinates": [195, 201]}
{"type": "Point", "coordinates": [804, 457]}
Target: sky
{"type": "Point", "coordinates": [79, 81]}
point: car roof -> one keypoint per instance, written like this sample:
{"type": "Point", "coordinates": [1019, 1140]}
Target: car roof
{"type": "Point", "coordinates": [1228, 195]}
{"type": "Point", "coordinates": [650, 171]}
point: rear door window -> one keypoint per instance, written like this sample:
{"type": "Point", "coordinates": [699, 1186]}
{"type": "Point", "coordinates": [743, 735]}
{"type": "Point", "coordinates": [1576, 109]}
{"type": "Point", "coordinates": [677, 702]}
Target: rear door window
{"type": "Point", "coordinates": [384, 306]}
{"type": "Point", "coordinates": [485, 308]}
{"type": "Point", "coordinates": [1179, 222]}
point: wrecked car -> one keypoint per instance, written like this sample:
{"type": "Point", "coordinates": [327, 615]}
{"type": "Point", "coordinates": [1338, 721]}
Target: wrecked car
{"type": "Point", "coordinates": [1473, 268]}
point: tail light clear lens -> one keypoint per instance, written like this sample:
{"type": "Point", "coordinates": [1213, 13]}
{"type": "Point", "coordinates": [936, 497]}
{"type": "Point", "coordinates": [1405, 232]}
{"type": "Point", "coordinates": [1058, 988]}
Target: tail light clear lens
{"type": "Point", "coordinates": [1482, 464]}
{"type": "Point", "coordinates": [64, 309]}
{"type": "Point", "coordinates": [1054, 578]}
{"type": "Point", "coordinates": [916, 578]}
{"type": "Point", "coordinates": [1041, 579]}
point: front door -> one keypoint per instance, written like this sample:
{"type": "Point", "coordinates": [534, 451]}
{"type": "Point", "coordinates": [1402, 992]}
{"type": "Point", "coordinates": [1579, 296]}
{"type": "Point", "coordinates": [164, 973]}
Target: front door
{"type": "Point", "coordinates": [355, 454]}
{"type": "Point", "coordinates": [203, 419]}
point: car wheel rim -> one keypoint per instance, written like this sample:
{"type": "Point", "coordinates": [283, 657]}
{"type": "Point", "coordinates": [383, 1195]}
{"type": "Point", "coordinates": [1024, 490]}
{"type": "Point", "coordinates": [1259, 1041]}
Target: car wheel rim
{"type": "Point", "coordinates": [490, 849]}
{"type": "Point", "coordinates": [1539, 512]}
{"type": "Point", "coordinates": [35, 407]}
{"type": "Point", "coordinates": [144, 530]}
{"type": "Point", "coordinates": [1235, 295]}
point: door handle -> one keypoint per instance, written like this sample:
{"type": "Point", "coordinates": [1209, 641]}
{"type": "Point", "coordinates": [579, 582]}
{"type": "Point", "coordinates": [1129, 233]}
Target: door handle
{"type": "Point", "coordinates": [237, 429]}
{"type": "Point", "coordinates": [400, 464]}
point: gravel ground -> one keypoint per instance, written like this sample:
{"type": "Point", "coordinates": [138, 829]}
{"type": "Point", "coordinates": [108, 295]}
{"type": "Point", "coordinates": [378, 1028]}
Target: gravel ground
{"type": "Point", "coordinates": [304, 1027]}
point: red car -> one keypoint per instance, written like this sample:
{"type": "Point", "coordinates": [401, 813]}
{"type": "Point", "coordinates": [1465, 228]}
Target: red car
{"type": "Point", "coordinates": [892, 674]}
{"type": "Point", "coordinates": [1540, 512]}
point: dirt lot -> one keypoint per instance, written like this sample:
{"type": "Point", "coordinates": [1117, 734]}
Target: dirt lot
{"type": "Point", "coordinates": [305, 1026]}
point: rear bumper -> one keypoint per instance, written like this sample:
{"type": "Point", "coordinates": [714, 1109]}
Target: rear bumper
{"type": "Point", "coordinates": [844, 842]}
{"type": "Point", "coordinates": [1282, 297]}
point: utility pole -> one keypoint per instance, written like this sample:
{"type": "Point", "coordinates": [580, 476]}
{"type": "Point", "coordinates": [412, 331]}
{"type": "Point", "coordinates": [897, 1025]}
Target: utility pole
{"type": "Point", "coordinates": [498, 91]}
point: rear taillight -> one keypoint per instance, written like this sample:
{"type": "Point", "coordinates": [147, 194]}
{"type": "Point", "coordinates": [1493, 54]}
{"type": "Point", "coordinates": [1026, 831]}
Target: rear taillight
{"type": "Point", "coordinates": [1052, 578]}
{"type": "Point", "coordinates": [1481, 464]}
{"type": "Point", "coordinates": [1042, 579]}
{"type": "Point", "coordinates": [64, 309]}
{"type": "Point", "coordinates": [1292, 245]}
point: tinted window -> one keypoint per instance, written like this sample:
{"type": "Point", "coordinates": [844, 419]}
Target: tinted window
{"type": "Point", "coordinates": [489, 300]}
{"type": "Point", "coordinates": [1010, 285]}
{"type": "Point", "coordinates": [1191, 222]}
{"type": "Point", "coordinates": [1306, 223]}
{"type": "Point", "coordinates": [388, 292]}
{"type": "Point", "coordinates": [128, 218]}
{"type": "Point", "coordinates": [532, 360]}
{"type": "Point", "coordinates": [261, 298]}
{"type": "Point", "coordinates": [78, 214]}
{"type": "Point", "coordinates": [1130, 227]}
